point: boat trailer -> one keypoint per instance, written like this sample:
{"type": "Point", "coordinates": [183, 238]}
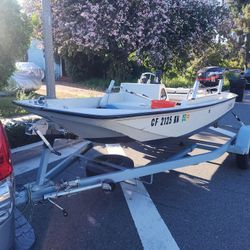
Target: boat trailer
{"type": "Point", "coordinates": [110, 173]}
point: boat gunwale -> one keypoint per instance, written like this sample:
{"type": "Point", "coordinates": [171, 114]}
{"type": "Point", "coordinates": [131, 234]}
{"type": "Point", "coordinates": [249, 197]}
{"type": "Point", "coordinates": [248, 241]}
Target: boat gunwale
{"type": "Point", "coordinates": [125, 115]}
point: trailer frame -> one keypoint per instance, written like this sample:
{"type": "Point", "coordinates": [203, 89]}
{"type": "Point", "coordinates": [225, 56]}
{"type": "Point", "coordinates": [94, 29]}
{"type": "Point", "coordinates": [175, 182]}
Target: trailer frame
{"type": "Point", "coordinates": [43, 188]}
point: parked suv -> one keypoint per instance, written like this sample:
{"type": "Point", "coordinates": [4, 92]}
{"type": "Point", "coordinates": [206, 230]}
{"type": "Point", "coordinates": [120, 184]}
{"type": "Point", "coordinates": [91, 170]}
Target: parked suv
{"type": "Point", "coordinates": [210, 76]}
{"type": "Point", "coordinates": [7, 226]}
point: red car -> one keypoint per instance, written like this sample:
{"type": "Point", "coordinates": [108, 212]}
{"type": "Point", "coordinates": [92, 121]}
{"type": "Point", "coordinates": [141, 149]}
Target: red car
{"type": "Point", "coordinates": [7, 222]}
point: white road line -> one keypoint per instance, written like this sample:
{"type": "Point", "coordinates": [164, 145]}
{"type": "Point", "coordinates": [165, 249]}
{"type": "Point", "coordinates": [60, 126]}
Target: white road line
{"type": "Point", "coordinates": [153, 232]}
{"type": "Point", "coordinates": [223, 131]}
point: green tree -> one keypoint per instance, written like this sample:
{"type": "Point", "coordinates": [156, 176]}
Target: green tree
{"type": "Point", "coordinates": [164, 34]}
{"type": "Point", "coordinates": [15, 31]}
{"type": "Point", "coordinates": [158, 33]}
{"type": "Point", "coordinates": [240, 45]}
{"type": "Point", "coordinates": [33, 9]}
{"type": "Point", "coordinates": [234, 51]}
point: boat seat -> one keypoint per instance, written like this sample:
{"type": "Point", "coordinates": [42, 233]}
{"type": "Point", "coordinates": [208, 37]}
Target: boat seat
{"type": "Point", "coordinates": [132, 91]}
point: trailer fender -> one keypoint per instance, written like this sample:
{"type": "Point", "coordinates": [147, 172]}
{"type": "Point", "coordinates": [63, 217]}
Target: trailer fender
{"type": "Point", "coordinates": [241, 144]}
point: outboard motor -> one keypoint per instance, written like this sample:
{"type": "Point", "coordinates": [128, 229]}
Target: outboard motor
{"type": "Point", "coordinates": [210, 76]}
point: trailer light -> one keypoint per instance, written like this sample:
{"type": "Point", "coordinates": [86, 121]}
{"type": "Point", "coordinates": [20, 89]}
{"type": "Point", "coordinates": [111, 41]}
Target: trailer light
{"type": "Point", "coordinates": [4, 192]}
{"type": "Point", "coordinates": [6, 198]}
{"type": "Point", "coordinates": [5, 158]}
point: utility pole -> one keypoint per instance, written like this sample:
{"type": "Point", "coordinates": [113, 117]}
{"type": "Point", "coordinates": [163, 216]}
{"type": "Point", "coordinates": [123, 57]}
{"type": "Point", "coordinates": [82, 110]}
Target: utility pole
{"type": "Point", "coordinates": [48, 46]}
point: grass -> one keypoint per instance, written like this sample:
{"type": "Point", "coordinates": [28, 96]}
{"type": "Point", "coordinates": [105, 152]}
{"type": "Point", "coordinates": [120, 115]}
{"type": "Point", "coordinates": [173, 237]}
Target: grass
{"type": "Point", "coordinates": [178, 82]}
{"type": "Point", "coordinates": [95, 84]}
{"type": "Point", "coordinates": [8, 109]}
{"type": "Point", "coordinates": [186, 83]}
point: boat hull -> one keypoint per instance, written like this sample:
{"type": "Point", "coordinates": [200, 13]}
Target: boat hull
{"type": "Point", "coordinates": [145, 126]}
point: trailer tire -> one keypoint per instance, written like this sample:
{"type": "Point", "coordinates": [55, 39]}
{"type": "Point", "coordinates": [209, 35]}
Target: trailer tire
{"type": "Point", "coordinates": [93, 168]}
{"type": "Point", "coordinates": [243, 161]}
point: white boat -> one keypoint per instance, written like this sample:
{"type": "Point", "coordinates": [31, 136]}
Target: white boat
{"type": "Point", "coordinates": [140, 111]}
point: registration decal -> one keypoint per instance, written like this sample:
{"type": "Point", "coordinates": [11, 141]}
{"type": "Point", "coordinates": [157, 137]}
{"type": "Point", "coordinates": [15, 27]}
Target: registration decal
{"type": "Point", "coordinates": [185, 117]}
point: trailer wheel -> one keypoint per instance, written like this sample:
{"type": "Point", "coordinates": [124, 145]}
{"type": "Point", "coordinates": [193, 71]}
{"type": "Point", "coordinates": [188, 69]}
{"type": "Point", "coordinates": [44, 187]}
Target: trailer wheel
{"type": "Point", "coordinates": [243, 161]}
{"type": "Point", "coordinates": [97, 165]}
